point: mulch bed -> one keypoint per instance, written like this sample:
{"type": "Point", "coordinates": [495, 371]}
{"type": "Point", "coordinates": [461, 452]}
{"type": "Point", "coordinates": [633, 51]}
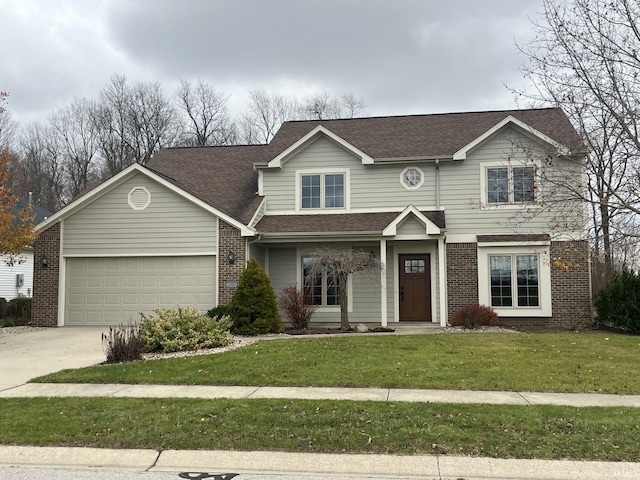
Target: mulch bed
{"type": "Point", "coordinates": [329, 331]}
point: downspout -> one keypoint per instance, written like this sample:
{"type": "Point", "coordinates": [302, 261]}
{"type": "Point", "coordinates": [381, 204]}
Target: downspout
{"type": "Point", "coordinates": [437, 184]}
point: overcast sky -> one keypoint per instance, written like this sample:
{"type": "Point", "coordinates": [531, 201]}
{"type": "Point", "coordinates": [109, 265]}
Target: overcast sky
{"type": "Point", "coordinates": [400, 56]}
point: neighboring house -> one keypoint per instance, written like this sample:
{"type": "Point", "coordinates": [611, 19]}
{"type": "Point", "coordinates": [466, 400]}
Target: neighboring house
{"type": "Point", "coordinates": [436, 197]}
{"type": "Point", "coordinates": [17, 280]}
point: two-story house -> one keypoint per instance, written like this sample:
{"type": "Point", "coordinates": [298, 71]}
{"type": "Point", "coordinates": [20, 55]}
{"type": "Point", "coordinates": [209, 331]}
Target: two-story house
{"type": "Point", "coordinates": [456, 206]}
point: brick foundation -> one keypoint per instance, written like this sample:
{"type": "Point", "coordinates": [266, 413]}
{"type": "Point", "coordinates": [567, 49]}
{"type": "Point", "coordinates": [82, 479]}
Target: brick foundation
{"type": "Point", "coordinates": [570, 286]}
{"type": "Point", "coordinates": [44, 307]}
{"type": "Point", "coordinates": [230, 240]}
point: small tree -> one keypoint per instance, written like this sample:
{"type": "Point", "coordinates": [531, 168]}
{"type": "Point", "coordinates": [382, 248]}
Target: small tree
{"type": "Point", "coordinates": [253, 308]}
{"type": "Point", "coordinates": [618, 304]}
{"type": "Point", "coordinates": [340, 265]}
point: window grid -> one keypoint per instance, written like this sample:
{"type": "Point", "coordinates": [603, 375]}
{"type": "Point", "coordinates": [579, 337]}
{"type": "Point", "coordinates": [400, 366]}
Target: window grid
{"type": "Point", "coordinates": [322, 190]}
{"type": "Point", "coordinates": [510, 185]}
{"type": "Point", "coordinates": [320, 287]}
{"type": "Point", "coordinates": [502, 279]}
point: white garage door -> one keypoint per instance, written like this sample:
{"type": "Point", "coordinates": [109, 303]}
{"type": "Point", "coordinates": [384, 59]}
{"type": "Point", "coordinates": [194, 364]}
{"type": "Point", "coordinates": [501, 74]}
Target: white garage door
{"type": "Point", "coordinates": [109, 291]}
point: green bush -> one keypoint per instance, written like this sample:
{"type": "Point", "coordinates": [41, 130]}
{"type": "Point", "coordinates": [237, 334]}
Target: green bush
{"type": "Point", "coordinates": [181, 329]}
{"type": "Point", "coordinates": [3, 307]}
{"type": "Point", "coordinates": [219, 311]}
{"type": "Point", "coordinates": [253, 308]}
{"type": "Point", "coordinates": [123, 343]}
{"type": "Point", "coordinates": [19, 309]}
{"type": "Point", "coordinates": [618, 304]}
{"type": "Point", "coordinates": [474, 316]}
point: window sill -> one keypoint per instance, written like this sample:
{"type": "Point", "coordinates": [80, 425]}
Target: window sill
{"type": "Point", "coordinates": [523, 312]}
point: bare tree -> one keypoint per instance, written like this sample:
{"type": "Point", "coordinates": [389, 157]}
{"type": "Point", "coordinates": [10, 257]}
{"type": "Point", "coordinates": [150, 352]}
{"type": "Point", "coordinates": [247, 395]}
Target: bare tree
{"type": "Point", "coordinates": [338, 266]}
{"type": "Point", "coordinates": [324, 106]}
{"type": "Point", "coordinates": [41, 167]}
{"type": "Point", "coordinates": [8, 131]}
{"type": "Point", "coordinates": [586, 58]}
{"type": "Point", "coordinates": [205, 113]}
{"type": "Point", "coordinates": [75, 132]}
{"type": "Point", "coordinates": [266, 112]}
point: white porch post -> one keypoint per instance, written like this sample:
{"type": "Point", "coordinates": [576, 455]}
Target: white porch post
{"type": "Point", "coordinates": [442, 271]}
{"type": "Point", "coordinates": [383, 282]}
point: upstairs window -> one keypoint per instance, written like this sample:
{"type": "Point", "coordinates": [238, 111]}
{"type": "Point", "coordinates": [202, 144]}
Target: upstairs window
{"type": "Point", "coordinates": [322, 190]}
{"type": "Point", "coordinates": [510, 185]}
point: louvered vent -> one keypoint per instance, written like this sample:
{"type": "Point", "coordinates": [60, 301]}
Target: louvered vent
{"type": "Point", "coordinates": [139, 198]}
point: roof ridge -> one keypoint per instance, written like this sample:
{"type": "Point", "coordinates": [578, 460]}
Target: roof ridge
{"type": "Point", "coordinates": [416, 115]}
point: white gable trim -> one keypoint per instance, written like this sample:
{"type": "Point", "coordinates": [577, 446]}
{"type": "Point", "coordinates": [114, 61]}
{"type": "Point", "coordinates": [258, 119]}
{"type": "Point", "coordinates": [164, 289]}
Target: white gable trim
{"type": "Point", "coordinates": [124, 175]}
{"type": "Point", "coordinates": [430, 227]}
{"type": "Point", "coordinates": [311, 136]}
{"type": "Point", "coordinates": [510, 120]}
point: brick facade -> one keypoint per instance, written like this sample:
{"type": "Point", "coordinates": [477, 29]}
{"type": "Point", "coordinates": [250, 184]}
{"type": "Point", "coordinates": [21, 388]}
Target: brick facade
{"type": "Point", "coordinates": [229, 240]}
{"type": "Point", "coordinates": [462, 276]}
{"type": "Point", "coordinates": [570, 286]}
{"type": "Point", "coordinates": [44, 307]}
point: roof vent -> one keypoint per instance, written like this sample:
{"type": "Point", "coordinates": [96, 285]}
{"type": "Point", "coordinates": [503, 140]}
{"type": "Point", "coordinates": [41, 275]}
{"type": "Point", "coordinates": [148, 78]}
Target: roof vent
{"type": "Point", "coordinates": [139, 198]}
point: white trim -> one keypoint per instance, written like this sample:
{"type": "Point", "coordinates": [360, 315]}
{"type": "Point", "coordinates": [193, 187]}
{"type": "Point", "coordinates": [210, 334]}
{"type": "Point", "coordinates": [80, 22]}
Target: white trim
{"type": "Point", "coordinates": [544, 280]}
{"type": "Point", "coordinates": [216, 301]}
{"type": "Point", "coordinates": [137, 207]}
{"type": "Point", "coordinates": [541, 243]}
{"type": "Point", "coordinates": [403, 178]}
{"type": "Point", "coordinates": [122, 177]}
{"type": "Point", "coordinates": [383, 283]}
{"type": "Point", "coordinates": [260, 210]}
{"type": "Point", "coordinates": [430, 208]}
{"type": "Point", "coordinates": [323, 172]}
{"type": "Point", "coordinates": [510, 120]}
{"type": "Point", "coordinates": [277, 161]}
{"type": "Point", "coordinates": [62, 279]}
{"type": "Point", "coordinates": [430, 227]}
{"type": "Point", "coordinates": [442, 276]}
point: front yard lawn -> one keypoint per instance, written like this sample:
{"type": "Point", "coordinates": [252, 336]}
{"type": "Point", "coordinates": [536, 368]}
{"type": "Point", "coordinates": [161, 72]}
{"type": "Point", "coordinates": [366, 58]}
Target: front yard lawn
{"type": "Point", "coordinates": [563, 362]}
{"type": "Point", "coordinates": [539, 431]}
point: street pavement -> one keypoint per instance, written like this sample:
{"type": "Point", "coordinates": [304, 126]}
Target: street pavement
{"type": "Point", "coordinates": [36, 353]}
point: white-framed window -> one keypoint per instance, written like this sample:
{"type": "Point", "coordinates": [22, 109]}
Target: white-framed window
{"type": "Point", "coordinates": [412, 178]}
{"type": "Point", "coordinates": [320, 190]}
{"type": "Point", "coordinates": [507, 183]}
{"type": "Point", "coordinates": [319, 286]}
{"type": "Point", "coordinates": [515, 281]}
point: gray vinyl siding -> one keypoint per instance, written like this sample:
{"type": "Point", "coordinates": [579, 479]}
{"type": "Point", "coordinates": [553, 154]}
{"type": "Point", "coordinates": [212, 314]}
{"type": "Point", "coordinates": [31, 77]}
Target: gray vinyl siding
{"type": "Point", "coordinates": [366, 294]}
{"type": "Point", "coordinates": [460, 186]}
{"type": "Point", "coordinates": [170, 224]}
{"type": "Point", "coordinates": [282, 267]}
{"type": "Point", "coordinates": [411, 226]}
{"type": "Point", "coordinates": [384, 180]}
{"type": "Point", "coordinates": [258, 253]}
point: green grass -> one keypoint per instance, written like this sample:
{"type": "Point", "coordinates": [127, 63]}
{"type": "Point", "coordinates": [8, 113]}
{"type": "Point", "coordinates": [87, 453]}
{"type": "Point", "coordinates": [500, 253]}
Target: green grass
{"type": "Point", "coordinates": [551, 432]}
{"type": "Point", "coordinates": [563, 362]}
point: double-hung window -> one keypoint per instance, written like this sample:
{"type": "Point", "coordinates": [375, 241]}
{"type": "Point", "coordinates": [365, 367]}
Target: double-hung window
{"type": "Point", "coordinates": [320, 285]}
{"type": "Point", "coordinates": [510, 184]}
{"type": "Point", "coordinates": [322, 190]}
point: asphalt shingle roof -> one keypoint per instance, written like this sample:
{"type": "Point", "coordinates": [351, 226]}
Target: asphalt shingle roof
{"type": "Point", "coordinates": [224, 177]}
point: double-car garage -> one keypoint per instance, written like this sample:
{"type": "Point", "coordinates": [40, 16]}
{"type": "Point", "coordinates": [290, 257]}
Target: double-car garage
{"type": "Point", "coordinates": [110, 291]}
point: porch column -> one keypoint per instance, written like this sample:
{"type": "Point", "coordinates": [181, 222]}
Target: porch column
{"type": "Point", "coordinates": [383, 282]}
{"type": "Point", "coordinates": [442, 274]}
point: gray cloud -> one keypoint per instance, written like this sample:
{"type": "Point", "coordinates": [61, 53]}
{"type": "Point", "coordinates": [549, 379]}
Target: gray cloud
{"type": "Point", "coordinates": [405, 56]}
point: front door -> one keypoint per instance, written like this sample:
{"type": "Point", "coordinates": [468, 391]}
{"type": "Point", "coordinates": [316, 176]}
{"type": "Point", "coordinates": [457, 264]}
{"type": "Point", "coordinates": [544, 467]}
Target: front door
{"type": "Point", "coordinates": [415, 287]}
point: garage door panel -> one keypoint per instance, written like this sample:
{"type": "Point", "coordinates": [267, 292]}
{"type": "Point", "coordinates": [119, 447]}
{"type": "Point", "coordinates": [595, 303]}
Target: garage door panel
{"type": "Point", "coordinates": [110, 291]}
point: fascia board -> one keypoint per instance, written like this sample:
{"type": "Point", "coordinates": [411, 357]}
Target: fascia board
{"type": "Point", "coordinates": [430, 227]}
{"type": "Point", "coordinates": [510, 120]}
{"type": "Point", "coordinates": [309, 137]}
{"type": "Point", "coordinates": [126, 174]}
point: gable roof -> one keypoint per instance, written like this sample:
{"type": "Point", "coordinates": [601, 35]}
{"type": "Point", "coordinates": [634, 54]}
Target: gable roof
{"type": "Point", "coordinates": [223, 177]}
{"type": "Point", "coordinates": [429, 136]}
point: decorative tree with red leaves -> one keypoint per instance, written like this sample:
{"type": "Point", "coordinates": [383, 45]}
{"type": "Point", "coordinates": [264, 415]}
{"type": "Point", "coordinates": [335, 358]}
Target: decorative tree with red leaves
{"type": "Point", "coordinates": [16, 231]}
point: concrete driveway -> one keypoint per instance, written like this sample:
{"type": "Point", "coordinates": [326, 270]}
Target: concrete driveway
{"type": "Point", "coordinates": [26, 355]}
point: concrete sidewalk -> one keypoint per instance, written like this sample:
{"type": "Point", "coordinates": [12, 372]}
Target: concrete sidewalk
{"type": "Point", "coordinates": [314, 393]}
{"type": "Point", "coordinates": [314, 464]}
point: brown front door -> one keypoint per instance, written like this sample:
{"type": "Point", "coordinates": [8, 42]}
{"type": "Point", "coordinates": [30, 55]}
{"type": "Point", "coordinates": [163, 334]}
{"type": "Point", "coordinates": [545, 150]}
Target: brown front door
{"type": "Point", "coordinates": [415, 287]}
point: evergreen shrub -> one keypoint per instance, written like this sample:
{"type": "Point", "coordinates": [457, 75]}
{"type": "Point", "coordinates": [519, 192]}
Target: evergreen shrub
{"type": "Point", "coordinates": [618, 304]}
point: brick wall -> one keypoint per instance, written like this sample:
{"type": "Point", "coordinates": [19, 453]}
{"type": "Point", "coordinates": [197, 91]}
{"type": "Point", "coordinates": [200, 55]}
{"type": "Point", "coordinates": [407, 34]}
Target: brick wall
{"type": "Point", "coordinates": [462, 275]}
{"type": "Point", "coordinates": [570, 286]}
{"type": "Point", "coordinates": [44, 307]}
{"type": "Point", "coordinates": [230, 240]}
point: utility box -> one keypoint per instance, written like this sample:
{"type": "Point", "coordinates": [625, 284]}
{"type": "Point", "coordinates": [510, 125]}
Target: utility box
{"type": "Point", "coordinates": [19, 280]}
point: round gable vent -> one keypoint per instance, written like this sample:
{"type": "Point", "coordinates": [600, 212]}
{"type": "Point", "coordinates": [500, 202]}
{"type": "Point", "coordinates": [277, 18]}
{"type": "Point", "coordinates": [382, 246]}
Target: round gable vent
{"type": "Point", "coordinates": [139, 198]}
